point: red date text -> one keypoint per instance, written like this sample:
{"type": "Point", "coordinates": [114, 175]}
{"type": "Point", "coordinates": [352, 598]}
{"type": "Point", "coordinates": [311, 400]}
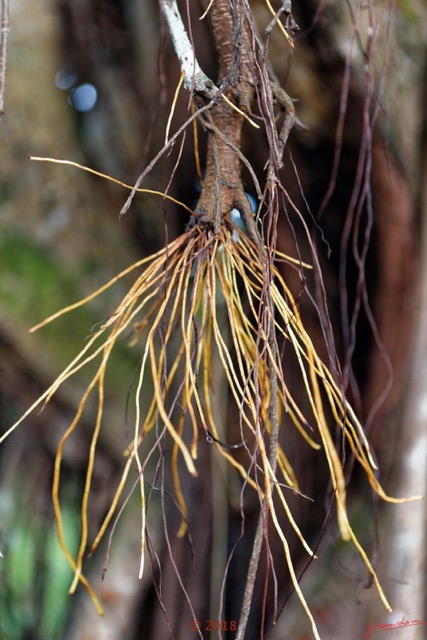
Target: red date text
{"type": "Point", "coordinates": [213, 625]}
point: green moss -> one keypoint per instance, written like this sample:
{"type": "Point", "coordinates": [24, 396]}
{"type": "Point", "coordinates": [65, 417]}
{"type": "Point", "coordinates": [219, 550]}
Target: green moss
{"type": "Point", "coordinates": [33, 285]}
{"type": "Point", "coordinates": [5, 190]}
{"type": "Point", "coordinates": [31, 282]}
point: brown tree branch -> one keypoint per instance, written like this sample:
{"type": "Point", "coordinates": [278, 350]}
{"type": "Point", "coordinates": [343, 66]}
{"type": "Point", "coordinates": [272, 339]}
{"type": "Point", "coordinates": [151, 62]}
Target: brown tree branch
{"type": "Point", "coordinates": [223, 179]}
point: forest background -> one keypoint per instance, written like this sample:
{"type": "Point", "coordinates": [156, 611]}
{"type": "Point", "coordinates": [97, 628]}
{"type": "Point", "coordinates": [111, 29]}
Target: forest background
{"type": "Point", "coordinates": [93, 81]}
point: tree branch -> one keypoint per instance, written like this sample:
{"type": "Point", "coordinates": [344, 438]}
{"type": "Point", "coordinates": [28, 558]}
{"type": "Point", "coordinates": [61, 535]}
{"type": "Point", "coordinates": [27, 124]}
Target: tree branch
{"type": "Point", "coordinates": [194, 78]}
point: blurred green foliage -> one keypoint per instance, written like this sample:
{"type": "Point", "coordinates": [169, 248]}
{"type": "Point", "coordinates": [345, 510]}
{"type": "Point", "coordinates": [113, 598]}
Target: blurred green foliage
{"type": "Point", "coordinates": [34, 285]}
{"type": "Point", "coordinates": [34, 575]}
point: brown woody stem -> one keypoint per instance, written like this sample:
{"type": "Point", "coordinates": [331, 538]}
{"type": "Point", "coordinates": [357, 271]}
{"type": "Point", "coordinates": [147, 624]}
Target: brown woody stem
{"type": "Point", "coordinates": [222, 186]}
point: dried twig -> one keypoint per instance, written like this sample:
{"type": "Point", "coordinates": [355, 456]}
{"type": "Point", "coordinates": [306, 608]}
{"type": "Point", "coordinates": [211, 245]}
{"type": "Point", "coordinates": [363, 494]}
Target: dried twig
{"type": "Point", "coordinates": [194, 78]}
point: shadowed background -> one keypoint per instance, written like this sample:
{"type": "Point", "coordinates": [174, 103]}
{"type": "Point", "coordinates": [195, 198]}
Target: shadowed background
{"type": "Point", "coordinates": [92, 81]}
